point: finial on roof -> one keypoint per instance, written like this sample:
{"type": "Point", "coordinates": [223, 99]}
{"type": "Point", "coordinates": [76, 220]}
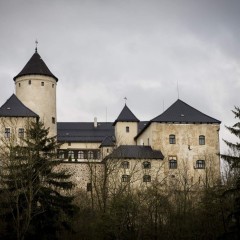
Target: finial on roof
{"type": "Point", "coordinates": [125, 100]}
{"type": "Point", "coordinates": [36, 42]}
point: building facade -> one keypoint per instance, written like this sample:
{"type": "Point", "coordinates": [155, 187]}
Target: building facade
{"type": "Point", "coordinates": [181, 143]}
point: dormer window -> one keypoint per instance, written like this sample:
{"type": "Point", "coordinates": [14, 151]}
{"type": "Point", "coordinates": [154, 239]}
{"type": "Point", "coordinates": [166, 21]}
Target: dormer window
{"type": "Point", "coordinates": [127, 129]}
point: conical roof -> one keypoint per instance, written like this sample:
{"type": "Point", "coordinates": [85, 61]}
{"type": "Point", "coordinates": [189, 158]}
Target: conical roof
{"type": "Point", "coordinates": [181, 112]}
{"type": "Point", "coordinates": [35, 66]}
{"type": "Point", "coordinates": [13, 107]}
{"type": "Point", "coordinates": [126, 115]}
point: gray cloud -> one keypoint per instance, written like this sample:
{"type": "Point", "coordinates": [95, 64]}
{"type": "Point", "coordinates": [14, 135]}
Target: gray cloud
{"type": "Point", "coordinates": [102, 51]}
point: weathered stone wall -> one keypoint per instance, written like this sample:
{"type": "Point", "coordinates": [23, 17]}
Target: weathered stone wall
{"type": "Point", "coordinates": [187, 149]}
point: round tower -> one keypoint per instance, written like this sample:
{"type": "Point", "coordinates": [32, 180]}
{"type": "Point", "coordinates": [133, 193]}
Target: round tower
{"type": "Point", "coordinates": [36, 88]}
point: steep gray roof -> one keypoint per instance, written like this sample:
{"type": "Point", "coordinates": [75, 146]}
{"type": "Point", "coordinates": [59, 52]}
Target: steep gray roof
{"type": "Point", "coordinates": [83, 131]}
{"type": "Point", "coordinates": [35, 66]}
{"type": "Point", "coordinates": [126, 115]}
{"type": "Point", "coordinates": [135, 152]}
{"type": "Point", "coordinates": [181, 112]}
{"type": "Point", "coordinates": [108, 142]}
{"type": "Point", "coordinates": [13, 107]}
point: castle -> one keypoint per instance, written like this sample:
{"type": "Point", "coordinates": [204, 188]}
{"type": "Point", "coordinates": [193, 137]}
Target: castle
{"type": "Point", "coordinates": [180, 141]}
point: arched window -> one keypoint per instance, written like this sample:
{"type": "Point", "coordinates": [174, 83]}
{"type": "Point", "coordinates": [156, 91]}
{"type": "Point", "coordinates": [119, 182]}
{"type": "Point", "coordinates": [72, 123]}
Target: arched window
{"type": "Point", "coordinates": [90, 154]}
{"type": "Point", "coordinates": [80, 155]}
{"type": "Point", "coordinates": [146, 165]}
{"type": "Point", "coordinates": [201, 140]}
{"type": "Point", "coordinates": [172, 163]}
{"type": "Point", "coordinates": [61, 154]}
{"type": "Point", "coordinates": [146, 178]}
{"type": "Point", "coordinates": [200, 164]}
{"type": "Point", "coordinates": [71, 155]}
{"type": "Point", "coordinates": [172, 139]}
{"type": "Point", "coordinates": [125, 165]}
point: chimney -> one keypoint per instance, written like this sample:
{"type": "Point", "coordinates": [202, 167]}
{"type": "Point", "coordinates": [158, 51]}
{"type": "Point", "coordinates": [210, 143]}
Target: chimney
{"type": "Point", "coordinates": [95, 122]}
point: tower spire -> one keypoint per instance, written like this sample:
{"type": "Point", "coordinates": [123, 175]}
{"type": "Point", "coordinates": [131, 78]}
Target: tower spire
{"type": "Point", "coordinates": [36, 42]}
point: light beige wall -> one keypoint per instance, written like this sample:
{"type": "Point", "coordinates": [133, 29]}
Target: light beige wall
{"type": "Point", "coordinates": [187, 148]}
{"type": "Point", "coordinates": [40, 99]}
{"type": "Point", "coordinates": [146, 137]}
{"type": "Point", "coordinates": [14, 123]}
{"type": "Point", "coordinates": [123, 137]}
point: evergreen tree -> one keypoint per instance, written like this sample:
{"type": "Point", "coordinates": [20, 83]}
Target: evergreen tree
{"type": "Point", "coordinates": [36, 190]}
{"type": "Point", "coordinates": [233, 193]}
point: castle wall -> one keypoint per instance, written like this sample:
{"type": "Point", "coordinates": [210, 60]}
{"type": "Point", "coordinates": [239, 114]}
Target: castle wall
{"type": "Point", "coordinates": [187, 150]}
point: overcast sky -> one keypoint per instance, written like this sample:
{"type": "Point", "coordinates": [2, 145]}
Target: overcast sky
{"type": "Point", "coordinates": [105, 50]}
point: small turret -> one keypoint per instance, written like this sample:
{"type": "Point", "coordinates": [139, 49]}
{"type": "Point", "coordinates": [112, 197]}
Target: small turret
{"type": "Point", "coordinates": [126, 127]}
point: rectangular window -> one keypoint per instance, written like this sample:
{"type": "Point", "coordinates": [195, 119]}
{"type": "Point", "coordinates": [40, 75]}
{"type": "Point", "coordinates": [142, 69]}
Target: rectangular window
{"type": "Point", "coordinates": [89, 187]}
{"type": "Point", "coordinates": [29, 82]}
{"type": "Point", "coordinates": [127, 129]}
{"type": "Point", "coordinates": [69, 144]}
{"type": "Point", "coordinates": [146, 165]}
{"type": "Point", "coordinates": [200, 164]}
{"type": "Point", "coordinates": [125, 178]}
{"type": "Point", "coordinates": [172, 161]}
{"type": "Point", "coordinates": [42, 83]}
{"type": "Point", "coordinates": [125, 165]}
{"type": "Point", "coordinates": [7, 132]}
{"type": "Point", "coordinates": [172, 139]}
{"type": "Point", "coordinates": [201, 140]}
{"type": "Point", "coordinates": [52, 85]}
{"type": "Point", "coordinates": [21, 132]}
{"type": "Point", "coordinates": [53, 120]}
{"type": "Point", "coordinates": [146, 178]}
{"type": "Point", "coordinates": [19, 84]}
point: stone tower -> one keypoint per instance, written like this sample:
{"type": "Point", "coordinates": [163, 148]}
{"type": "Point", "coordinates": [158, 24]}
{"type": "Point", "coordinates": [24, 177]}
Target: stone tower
{"type": "Point", "coordinates": [126, 127]}
{"type": "Point", "coordinates": [36, 88]}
